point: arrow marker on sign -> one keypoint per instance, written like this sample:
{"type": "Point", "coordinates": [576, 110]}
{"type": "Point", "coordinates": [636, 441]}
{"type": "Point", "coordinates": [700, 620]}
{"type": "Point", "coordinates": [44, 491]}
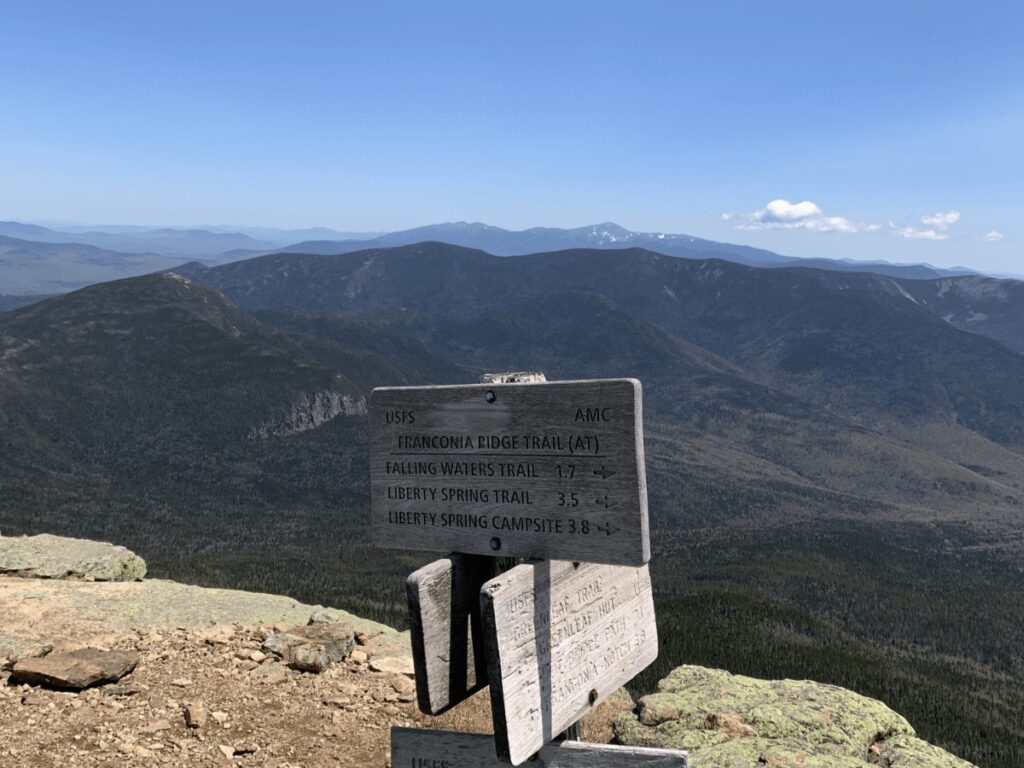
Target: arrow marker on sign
{"type": "Point", "coordinates": [603, 473]}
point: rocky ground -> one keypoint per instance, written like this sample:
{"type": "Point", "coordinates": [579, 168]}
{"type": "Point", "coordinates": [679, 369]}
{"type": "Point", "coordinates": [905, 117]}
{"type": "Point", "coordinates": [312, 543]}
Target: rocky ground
{"type": "Point", "coordinates": [209, 697]}
{"type": "Point", "coordinates": [207, 689]}
{"type": "Point", "coordinates": [219, 677]}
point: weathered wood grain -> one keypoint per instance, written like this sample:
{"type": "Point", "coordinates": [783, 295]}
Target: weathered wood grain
{"type": "Point", "coordinates": [550, 470]}
{"type": "Point", "coordinates": [413, 748]}
{"type": "Point", "coordinates": [560, 637]}
{"type": "Point", "coordinates": [444, 624]}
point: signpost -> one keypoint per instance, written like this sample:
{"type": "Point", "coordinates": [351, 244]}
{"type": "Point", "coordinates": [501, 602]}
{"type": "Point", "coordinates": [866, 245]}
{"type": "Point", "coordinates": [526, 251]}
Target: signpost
{"type": "Point", "coordinates": [552, 470]}
{"type": "Point", "coordinates": [518, 467]}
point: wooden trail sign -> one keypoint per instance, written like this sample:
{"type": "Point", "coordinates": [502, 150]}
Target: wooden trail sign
{"type": "Point", "coordinates": [447, 640]}
{"type": "Point", "coordinates": [548, 470]}
{"type": "Point", "coordinates": [561, 637]}
{"type": "Point", "coordinates": [414, 748]}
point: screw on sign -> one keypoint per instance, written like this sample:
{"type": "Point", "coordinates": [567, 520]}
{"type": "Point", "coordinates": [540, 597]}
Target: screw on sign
{"type": "Point", "coordinates": [518, 467]}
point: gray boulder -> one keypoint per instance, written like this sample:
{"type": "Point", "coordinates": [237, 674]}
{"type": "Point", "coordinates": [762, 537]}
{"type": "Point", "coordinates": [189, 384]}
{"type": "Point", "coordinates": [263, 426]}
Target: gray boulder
{"type": "Point", "coordinates": [314, 647]}
{"type": "Point", "coordinates": [311, 657]}
{"type": "Point", "coordinates": [76, 669]}
{"type": "Point", "coordinates": [56, 557]}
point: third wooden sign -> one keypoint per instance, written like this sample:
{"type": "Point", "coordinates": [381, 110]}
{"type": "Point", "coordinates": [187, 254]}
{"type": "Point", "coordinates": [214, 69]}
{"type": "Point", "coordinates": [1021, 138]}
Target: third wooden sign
{"type": "Point", "coordinates": [444, 619]}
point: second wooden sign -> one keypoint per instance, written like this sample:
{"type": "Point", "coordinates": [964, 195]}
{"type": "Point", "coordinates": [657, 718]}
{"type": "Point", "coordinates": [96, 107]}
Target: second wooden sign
{"type": "Point", "coordinates": [560, 638]}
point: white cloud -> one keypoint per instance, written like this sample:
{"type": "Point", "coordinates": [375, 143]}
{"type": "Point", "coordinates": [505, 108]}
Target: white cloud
{"type": "Point", "coordinates": [936, 227]}
{"type": "Point", "coordinates": [913, 233]}
{"type": "Point", "coordinates": [941, 220]}
{"type": "Point", "coordinates": [993, 236]}
{"type": "Point", "coordinates": [782, 214]}
{"type": "Point", "coordinates": [782, 211]}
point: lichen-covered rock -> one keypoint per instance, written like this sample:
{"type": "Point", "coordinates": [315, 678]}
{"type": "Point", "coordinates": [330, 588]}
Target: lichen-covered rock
{"type": "Point", "coordinates": [911, 752]}
{"type": "Point", "coordinates": [56, 557]}
{"type": "Point", "coordinates": [731, 721]}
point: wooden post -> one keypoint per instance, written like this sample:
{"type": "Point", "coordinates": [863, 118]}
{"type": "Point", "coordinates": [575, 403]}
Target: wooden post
{"type": "Point", "coordinates": [573, 733]}
{"type": "Point", "coordinates": [444, 612]}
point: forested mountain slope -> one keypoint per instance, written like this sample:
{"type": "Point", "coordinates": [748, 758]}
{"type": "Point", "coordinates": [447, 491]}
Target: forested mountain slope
{"type": "Point", "coordinates": [835, 473]}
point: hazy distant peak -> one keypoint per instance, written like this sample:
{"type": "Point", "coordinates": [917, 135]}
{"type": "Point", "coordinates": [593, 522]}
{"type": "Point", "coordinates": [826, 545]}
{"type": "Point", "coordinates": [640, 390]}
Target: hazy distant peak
{"type": "Point", "coordinates": [458, 226]}
{"type": "Point", "coordinates": [607, 232]}
{"type": "Point", "coordinates": [17, 229]}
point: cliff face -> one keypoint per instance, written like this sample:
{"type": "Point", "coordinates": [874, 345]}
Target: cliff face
{"type": "Point", "coordinates": [310, 411]}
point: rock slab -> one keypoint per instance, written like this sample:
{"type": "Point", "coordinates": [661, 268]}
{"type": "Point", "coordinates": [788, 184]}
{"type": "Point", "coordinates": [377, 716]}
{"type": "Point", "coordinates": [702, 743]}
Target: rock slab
{"type": "Point", "coordinates": [76, 669]}
{"type": "Point", "coordinates": [56, 557]}
{"type": "Point", "coordinates": [727, 720]}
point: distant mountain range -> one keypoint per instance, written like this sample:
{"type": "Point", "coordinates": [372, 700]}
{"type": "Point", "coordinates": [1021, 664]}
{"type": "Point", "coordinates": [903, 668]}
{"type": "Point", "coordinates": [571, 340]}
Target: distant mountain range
{"type": "Point", "coordinates": [503, 242]}
{"type": "Point", "coordinates": [130, 250]}
{"type": "Point", "coordinates": [323, 283]}
{"type": "Point", "coordinates": [207, 243]}
{"type": "Point", "coordinates": [177, 243]}
{"type": "Point", "coordinates": [609, 236]}
{"type": "Point", "coordinates": [40, 267]}
{"type": "Point", "coordinates": [274, 235]}
{"type": "Point", "coordinates": [835, 468]}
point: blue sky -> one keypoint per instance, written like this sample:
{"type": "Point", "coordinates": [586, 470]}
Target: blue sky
{"type": "Point", "coordinates": [874, 130]}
